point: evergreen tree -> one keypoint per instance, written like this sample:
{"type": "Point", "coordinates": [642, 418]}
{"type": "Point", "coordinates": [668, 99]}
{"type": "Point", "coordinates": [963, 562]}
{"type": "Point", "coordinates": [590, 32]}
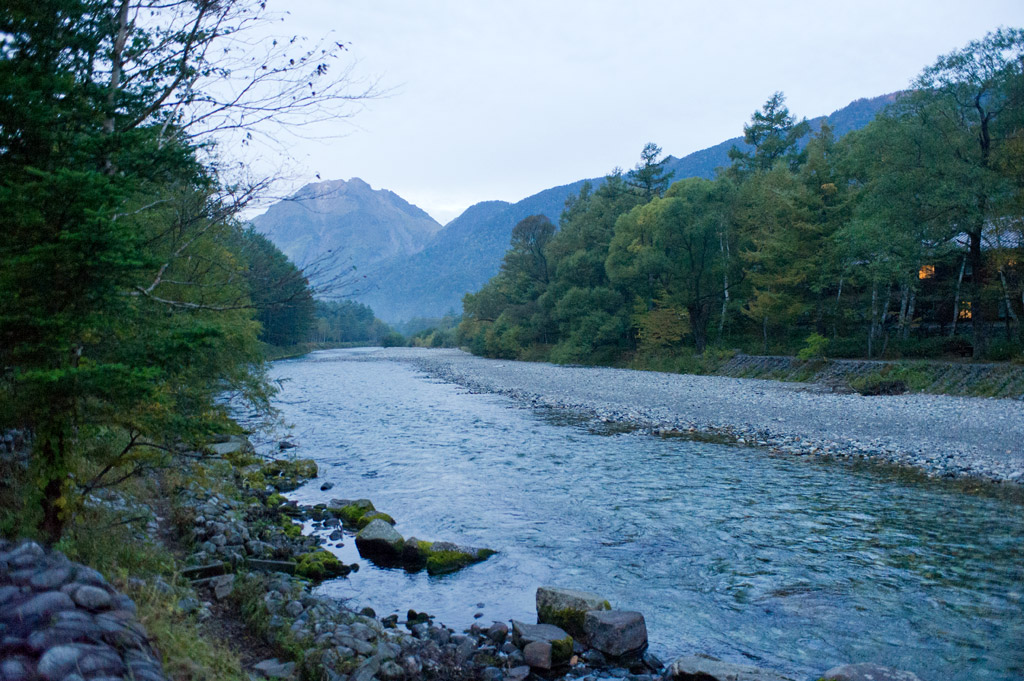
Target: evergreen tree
{"type": "Point", "coordinates": [774, 134]}
{"type": "Point", "coordinates": [649, 176]}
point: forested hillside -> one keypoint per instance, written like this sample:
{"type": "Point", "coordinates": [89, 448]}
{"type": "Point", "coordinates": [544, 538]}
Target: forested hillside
{"type": "Point", "coordinates": [468, 251]}
{"type": "Point", "coordinates": [902, 238]}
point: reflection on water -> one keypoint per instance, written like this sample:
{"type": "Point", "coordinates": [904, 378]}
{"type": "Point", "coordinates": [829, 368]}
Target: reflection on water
{"type": "Point", "coordinates": [787, 563]}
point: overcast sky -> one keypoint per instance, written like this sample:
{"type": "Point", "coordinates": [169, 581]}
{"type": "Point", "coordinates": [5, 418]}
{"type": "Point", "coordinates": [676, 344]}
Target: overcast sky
{"type": "Point", "coordinates": [499, 100]}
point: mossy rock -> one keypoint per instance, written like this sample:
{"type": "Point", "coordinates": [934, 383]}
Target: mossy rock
{"type": "Point", "coordinates": [351, 512]}
{"type": "Point", "coordinates": [561, 650]}
{"type": "Point", "coordinates": [288, 474]}
{"type": "Point", "coordinates": [320, 565]}
{"type": "Point", "coordinates": [367, 518]}
{"type": "Point", "coordinates": [415, 553]}
{"type": "Point", "coordinates": [381, 543]}
{"type": "Point", "coordinates": [275, 500]}
{"type": "Point", "coordinates": [443, 557]}
{"type": "Point", "coordinates": [567, 608]}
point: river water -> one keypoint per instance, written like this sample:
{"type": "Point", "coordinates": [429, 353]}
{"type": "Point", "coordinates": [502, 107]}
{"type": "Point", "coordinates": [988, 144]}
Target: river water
{"type": "Point", "coordinates": [782, 562]}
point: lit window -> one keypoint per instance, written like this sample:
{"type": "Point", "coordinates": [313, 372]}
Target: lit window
{"type": "Point", "coordinates": [926, 272]}
{"type": "Point", "coordinates": [965, 310]}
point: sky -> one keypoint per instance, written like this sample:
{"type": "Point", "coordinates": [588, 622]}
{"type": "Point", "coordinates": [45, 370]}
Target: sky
{"type": "Point", "coordinates": [499, 100]}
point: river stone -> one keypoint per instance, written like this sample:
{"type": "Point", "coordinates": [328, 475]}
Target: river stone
{"type": "Point", "coordinates": [867, 672]}
{"type": "Point", "coordinates": [43, 605]}
{"type": "Point", "coordinates": [561, 643]}
{"type": "Point", "coordinates": [223, 586]}
{"type": "Point", "coordinates": [92, 597]}
{"type": "Point", "coordinates": [517, 673]}
{"type": "Point", "coordinates": [566, 608]}
{"type": "Point", "coordinates": [615, 632]}
{"type": "Point", "coordinates": [697, 668]}
{"type": "Point", "coordinates": [59, 661]}
{"type": "Point", "coordinates": [8, 593]}
{"type": "Point", "coordinates": [275, 669]}
{"type": "Point", "coordinates": [497, 633]}
{"type": "Point", "coordinates": [50, 579]}
{"type": "Point", "coordinates": [15, 669]}
{"type": "Point", "coordinates": [538, 654]}
{"type": "Point", "coordinates": [379, 541]}
{"type": "Point", "coordinates": [367, 670]}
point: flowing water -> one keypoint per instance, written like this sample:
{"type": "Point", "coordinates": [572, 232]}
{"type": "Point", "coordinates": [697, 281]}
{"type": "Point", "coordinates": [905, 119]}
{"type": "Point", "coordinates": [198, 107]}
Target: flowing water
{"type": "Point", "coordinates": [783, 562]}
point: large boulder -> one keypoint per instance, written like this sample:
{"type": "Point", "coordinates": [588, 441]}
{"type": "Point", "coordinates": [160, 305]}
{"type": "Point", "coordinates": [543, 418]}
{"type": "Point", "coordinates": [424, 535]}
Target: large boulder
{"type": "Point", "coordinates": [524, 634]}
{"type": "Point", "coordinates": [615, 632]}
{"type": "Point", "coordinates": [380, 542]}
{"type": "Point", "coordinates": [700, 668]}
{"type": "Point", "coordinates": [566, 608]}
{"type": "Point", "coordinates": [867, 672]}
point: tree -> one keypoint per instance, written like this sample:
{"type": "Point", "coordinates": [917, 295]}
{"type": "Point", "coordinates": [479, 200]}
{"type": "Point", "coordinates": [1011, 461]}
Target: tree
{"type": "Point", "coordinates": [279, 291]}
{"type": "Point", "coordinates": [975, 99]}
{"type": "Point", "coordinates": [124, 304]}
{"type": "Point", "coordinates": [774, 135]}
{"type": "Point", "coordinates": [667, 252]}
{"type": "Point", "coordinates": [649, 175]}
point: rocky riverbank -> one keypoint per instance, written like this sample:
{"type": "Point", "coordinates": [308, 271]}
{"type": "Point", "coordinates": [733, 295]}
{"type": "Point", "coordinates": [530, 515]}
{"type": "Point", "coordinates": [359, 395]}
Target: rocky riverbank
{"type": "Point", "coordinates": [244, 556]}
{"type": "Point", "coordinates": [942, 436]}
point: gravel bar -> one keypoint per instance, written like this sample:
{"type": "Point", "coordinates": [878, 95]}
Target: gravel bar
{"type": "Point", "coordinates": [943, 436]}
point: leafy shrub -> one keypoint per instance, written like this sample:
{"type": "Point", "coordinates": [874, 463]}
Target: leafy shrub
{"type": "Point", "coordinates": [814, 347]}
{"type": "Point", "coordinates": [392, 340]}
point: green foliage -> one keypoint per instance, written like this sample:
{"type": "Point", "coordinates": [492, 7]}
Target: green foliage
{"type": "Point", "coordinates": [773, 133]}
{"type": "Point", "coordinates": [649, 177]}
{"type": "Point", "coordinates": [346, 321]}
{"type": "Point", "coordinates": [870, 243]}
{"type": "Point", "coordinates": [392, 340]}
{"type": "Point", "coordinates": [814, 348]}
{"type": "Point", "coordinates": [279, 291]}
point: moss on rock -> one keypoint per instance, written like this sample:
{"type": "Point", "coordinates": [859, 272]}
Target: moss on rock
{"type": "Point", "coordinates": [320, 565]}
{"type": "Point", "coordinates": [561, 650]}
{"type": "Point", "coordinates": [366, 518]}
{"type": "Point", "coordinates": [443, 557]}
{"type": "Point", "coordinates": [351, 512]}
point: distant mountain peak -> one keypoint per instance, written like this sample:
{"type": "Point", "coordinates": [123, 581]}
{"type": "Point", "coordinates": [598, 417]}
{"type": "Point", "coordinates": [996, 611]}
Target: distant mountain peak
{"type": "Point", "coordinates": [357, 224]}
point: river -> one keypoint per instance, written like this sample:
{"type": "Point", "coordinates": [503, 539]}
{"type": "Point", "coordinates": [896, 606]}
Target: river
{"type": "Point", "coordinates": [776, 561]}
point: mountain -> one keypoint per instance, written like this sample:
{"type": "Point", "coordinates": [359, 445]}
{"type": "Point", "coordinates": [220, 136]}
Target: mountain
{"type": "Point", "coordinates": [412, 267]}
{"type": "Point", "coordinates": [467, 252]}
{"type": "Point", "coordinates": [460, 258]}
{"type": "Point", "coordinates": [347, 223]}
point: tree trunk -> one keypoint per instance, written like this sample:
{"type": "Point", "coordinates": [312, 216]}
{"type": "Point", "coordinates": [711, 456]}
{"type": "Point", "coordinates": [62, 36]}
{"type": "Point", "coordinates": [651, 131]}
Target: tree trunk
{"type": "Point", "coordinates": [699, 324]}
{"type": "Point", "coordinates": [978, 331]}
{"type": "Point", "coordinates": [724, 243]}
{"type": "Point", "coordinates": [835, 313]}
{"type": "Point", "coordinates": [1011, 315]}
{"type": "Point", "coordinates": [874, 319]}
{"type": "Point", "coordinates": [884, 322]}
{"type": "Point", "coordinates": [910, 313]}
{"type": "Point", "coordinates": [956, 298]}
{"type": "Point", "coordinates": [764, 334]}
{"type": "Point", "coordinates": [904, 305]}
{"type": "Point", "coordinates": [54, 474]}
